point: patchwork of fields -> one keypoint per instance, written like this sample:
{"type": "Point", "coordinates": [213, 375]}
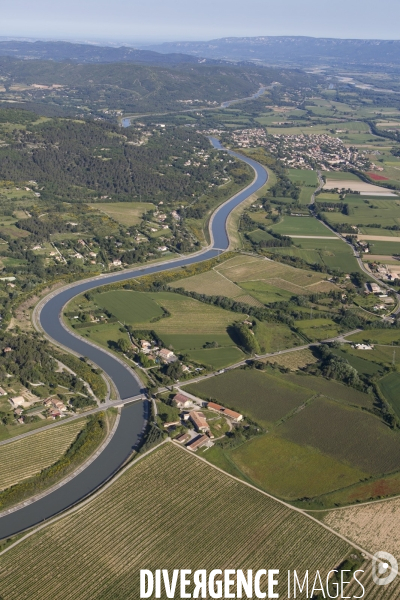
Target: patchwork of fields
{"type": "Point", "coordinates": [137, 526]}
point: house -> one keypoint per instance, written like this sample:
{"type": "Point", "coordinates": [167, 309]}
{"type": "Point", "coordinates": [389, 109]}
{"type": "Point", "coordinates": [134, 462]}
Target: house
{"type": "Point", "coordinates": [8, 349]}
{"type": "Point", "coordinates": [199, 421]}
{"type": "Point", "coordinates": [226, 412]}
{"type": "Point", "coordinates": [55, 414]}
{"type": "Point", "coordinates": [116, 263]}
{"type": "Point", "coordinates": [2, 392]}
{"type": "Point", "coordinates": [165, 354]}
{"type": "Point", "coordinates": [18, 401]}
{"type": "Point", "coordinates": [58, 405]}
{"type": "Point", "coordinates": [171, 424]}
{"type": "Point", "coordinates": [199, 442]}
{"type": "Point", "coordinates": [182, 401]}
{"type": "Point", "coordinates": [375, 289]}
{"type": "Point", "coordinates": [183, 438]}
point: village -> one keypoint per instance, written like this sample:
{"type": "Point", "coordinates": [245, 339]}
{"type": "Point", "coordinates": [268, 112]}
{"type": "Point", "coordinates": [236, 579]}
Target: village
{"type": "Point", "coordinates": [320, 151]}
{"type": "Point", "coordinates": [200, 422]}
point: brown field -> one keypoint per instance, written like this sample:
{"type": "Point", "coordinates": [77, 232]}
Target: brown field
{"type": "Point", "coordinates": [378, 238]}
{"type": "Point", "coordinates": [373, 526]}
{"type": "Point", "coordinates": [358, 186]}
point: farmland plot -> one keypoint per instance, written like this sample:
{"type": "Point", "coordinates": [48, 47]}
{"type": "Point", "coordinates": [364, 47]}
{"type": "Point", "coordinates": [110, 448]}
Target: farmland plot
{"type": "Point", "coordinates": [143, 529]}
{"type": "Point", "coordinates": [27, 456]}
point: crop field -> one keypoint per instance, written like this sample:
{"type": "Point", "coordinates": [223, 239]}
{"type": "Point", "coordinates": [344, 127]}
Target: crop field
{"type": "Point", "coordinates": [372, 489]}
{"type": "Point", "coordinates": [28, 456]}
{"type": "Point", "coordinates": [357, 185]}
{"type": "Point", "coordinates": [258, 235]}
{"type": "Point", "coordinates": [363, 366]}
{"type": "Point", "coordinates": [383, 355]}
{"type": "Point", "coordinates": [303, 177]}
{"type": "Point", "coordinates": [345, 434]}
{"type": "Point", "coordinates": [267, 293]}
{"type": "Point", "coordinates": [252, 269]}
{"type": "Point", "coordinates": [217, 357]}
{"type": "Point", "coordinates": [258, 395]}
{"type": "Point", "coordinates": [293, 360]}
{"type": "Point", "coordinates": [133, 516]}
{"type": "Point", "coordinates": [390, 388]}
{"type": "Point", "coordinates": [127, 213]}
{"type": "Point", "coordinates": [385, 248]}
{"type": "Point", "coordinates": [372, 526]}
{"type": "Point", "coordinates": [291, 471]}
{"type": "Point", "coordinates": [106, 335]}
{"type": "Point", "coordinates": [129, 307]}
{"type": "Point", "coordinates": [301, 226]}
{"type": "Point", "coordinates": [318, 329]}
{"type": "Point", "coordinates": [210, 283]}
{"type": "Point", "coordinates": [332, 252]}
{"type": "Point", "coordinates": [332, 389]}
{"type": "Point", "coordinates": [377, 336]}
{"type": "Point", "coordinates": [369, 233]}
{"type": "Point", "coordinates": [195, 342]}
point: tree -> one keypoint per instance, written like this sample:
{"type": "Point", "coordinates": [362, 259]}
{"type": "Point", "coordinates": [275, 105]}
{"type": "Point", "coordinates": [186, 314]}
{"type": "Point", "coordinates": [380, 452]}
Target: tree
{"type": "Point", "coordinates": [124, 345]}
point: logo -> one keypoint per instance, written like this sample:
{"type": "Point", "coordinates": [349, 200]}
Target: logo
{"type": "Point", "coordinates": [384, 568]}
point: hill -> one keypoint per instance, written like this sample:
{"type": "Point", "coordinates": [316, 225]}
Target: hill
{"type": "Point", "coordinates": [89, 53]}
{"type": "Point", "coordinates": [291, 50]}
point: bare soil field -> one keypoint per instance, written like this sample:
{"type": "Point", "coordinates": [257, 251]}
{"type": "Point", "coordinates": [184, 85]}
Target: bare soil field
{"type": "Point", "coordinates": [378, 238]}
{"type": "Point", "coordinates": [372, 525]}
{"type": "Point", "coordinates": [358, 186]}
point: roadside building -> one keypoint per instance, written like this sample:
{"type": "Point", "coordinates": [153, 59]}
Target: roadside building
{"type": "Point", "coordinates": [183, 438]}
{"type": "Point", "coordinates": [181, 401]}
{"type": "Point", "coordinates": [199, 442]}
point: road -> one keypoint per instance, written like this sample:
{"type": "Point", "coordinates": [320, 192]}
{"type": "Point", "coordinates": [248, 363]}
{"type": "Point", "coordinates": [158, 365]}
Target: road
{"type": "Point", "coordinates": [134, 415]}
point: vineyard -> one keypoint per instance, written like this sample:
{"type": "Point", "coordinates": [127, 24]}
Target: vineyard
{"type": "Point", "coordinates": [23, 458]}
{"type": "Point", "coordinates": [153, 517]}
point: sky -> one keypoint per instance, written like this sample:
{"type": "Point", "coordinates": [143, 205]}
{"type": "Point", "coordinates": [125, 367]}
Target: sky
{"type": "Point", "coordinates": [148, 21]}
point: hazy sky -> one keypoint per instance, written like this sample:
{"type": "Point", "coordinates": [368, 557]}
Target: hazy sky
{"type": "Point", "coordinates": [139, 21]}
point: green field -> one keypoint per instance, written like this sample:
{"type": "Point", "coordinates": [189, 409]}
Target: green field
{"type": "Point", "coordinates": [104, 535]}
{"type": "Point", "coordinates": [129, 307]}
{"type": "Point", "coordinates": [303, 176]}
{"type": "Point", "coordinates": [390, 387]}
{"type": "Point", "coordinates": [332, 389]}
{"type": "Point", "coordinates": [126, 213]}
{"type": "Point", "coordinates": [291, 471]}
{"type": "Point", "coordinates": [384, 248]}
{"type": "Point", "coordinates": [318, 329]}
{"type": "Point", "coordinates": [258, 395]}
{"type": "Point", "coordinates": [363, 366]}
{"type": "Point", "coordinates": [301, 226]}
{"type": "Point", "coordinates": [377, 336]}
{"type": "Point", "coordinates": [217, 358]}
{"type": "Point", "coordinates": [267, 293]}
{"type": "Point", "coordinates": [345, 434]}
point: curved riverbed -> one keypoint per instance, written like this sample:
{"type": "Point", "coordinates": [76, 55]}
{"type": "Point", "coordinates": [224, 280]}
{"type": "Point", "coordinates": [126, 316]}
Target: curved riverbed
{"type": "Point", "coordinates": [133, 417]}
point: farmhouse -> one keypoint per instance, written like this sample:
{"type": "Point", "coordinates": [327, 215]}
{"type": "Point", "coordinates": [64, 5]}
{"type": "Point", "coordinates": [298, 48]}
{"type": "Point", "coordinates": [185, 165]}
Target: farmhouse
{"type": "Point", "coordinates": [183, 438]}
{"type": "Point", "coordinates": [165, 354]}
{"type": "Point", "coordinates": [198, 420]}
{"type": "Point", "coordinates": [18, 401]}
{"type": "Point", "coordinates": [2, 392]}
{"type": "Point", "coordinates": [182, 401]}
{"type": "Point", "coordinates": [200, 441]}
{"type": "Point", "coordinates": [235, 416]}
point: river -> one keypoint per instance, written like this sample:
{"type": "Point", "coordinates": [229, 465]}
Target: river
{"type": "Point", "coordinates": [133, 417]}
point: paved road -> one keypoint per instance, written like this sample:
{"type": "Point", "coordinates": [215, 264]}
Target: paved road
{"type": "Point", "coordinates": [134, 416]}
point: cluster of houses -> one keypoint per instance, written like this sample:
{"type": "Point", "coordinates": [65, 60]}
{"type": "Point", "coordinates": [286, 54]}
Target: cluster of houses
{"type": "Point", "coordinates": [55, 408]}
{"type": "Point", "coordinates": [202, 435]}
{"type": "Point", "coordinates": [153, 352]}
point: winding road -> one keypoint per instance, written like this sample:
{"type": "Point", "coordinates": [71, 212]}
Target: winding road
{"type": "Point", "coordinates": [134, 415]}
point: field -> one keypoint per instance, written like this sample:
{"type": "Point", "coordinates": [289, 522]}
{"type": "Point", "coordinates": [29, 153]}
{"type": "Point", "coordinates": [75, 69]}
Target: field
{"type": "Point", "coordinates": [345, 434]}
{"type": "Point", "coordinates": [390, 388]}
{"type": "Point", "coordinates": [291, 471]}
{"type": "Point", "coordinates": [23, 458]}
{"type": "Point", "coordinates": [294, 360]}
{"type": "Point", "coordinates": [357, 186]}
{"type": "Point", "coordinates": [217, 357]}
{"type": "Point", "coordinates": [376, 336]}
{"type": "Point", "coordinates": [245, 278]}
{"type": "Point", "coordinates": [330, 252]}
{"type": "Point", "coordinates": [129, 307]}
{"type": "Point", "coordinates": [258, 395]}
{"type": "Point", "coordinates": [372, 525]}
{"type": "Point", "coordinates": [301, 226]}
{"type": "Point", "coordinates": [303, 177]}
{"type": "Point", "coordinates": [103, 536]}
{"type": "Point", "coordinates": [127, 213]}
{"type": "Point", "coordinates": [332, 389]}
{"type": "Point", "coordinates": [318, 329]}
